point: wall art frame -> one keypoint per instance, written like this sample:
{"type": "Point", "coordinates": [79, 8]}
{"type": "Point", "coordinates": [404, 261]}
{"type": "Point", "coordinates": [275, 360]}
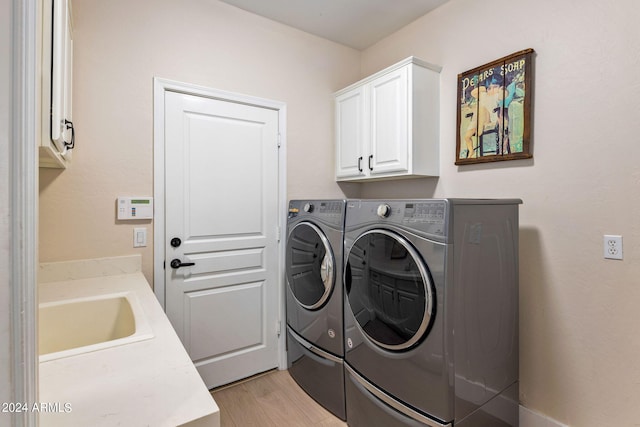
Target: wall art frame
{"type": "Point", "coordinates": [494, 110]}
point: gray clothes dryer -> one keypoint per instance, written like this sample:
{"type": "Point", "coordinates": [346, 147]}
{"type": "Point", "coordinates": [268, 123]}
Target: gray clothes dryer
{"type": "Point", "coordinates": [431, 313]}
{"type": "Point", "coordinates": [313, 274]}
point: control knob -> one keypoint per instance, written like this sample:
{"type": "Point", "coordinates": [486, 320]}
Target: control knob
{"type": "Point", "coordinates": [384, 210]}
{"type": "Point", "coordinates": [308, 208]}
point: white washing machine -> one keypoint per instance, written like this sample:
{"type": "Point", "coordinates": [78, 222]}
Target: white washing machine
{"type": "Point", "coordinates": [315, 340]}
{"type": "Point", "coordinates": [431, 313]}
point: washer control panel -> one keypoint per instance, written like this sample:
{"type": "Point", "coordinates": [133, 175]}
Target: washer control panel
{"type": "Point", "coordinates": [330, 210]}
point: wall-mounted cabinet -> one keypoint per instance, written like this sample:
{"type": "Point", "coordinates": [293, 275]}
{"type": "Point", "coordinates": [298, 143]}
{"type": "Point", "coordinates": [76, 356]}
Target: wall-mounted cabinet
{"type": "Point", "coordinates": [387, 125]}
{"type": "Point", "coordinates": [58, 136]}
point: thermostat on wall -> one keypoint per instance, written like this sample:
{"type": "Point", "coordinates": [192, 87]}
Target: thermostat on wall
{"type": "Point", "coordinates": [135, 208]}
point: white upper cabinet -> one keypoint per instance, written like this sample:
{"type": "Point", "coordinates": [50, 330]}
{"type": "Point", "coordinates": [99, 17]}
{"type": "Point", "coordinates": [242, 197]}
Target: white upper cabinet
{"type": "Point", "coordinates": [58, 136]}
{"type": "Point", "coordinates": [387, 125]}
{"type": "Point", "coordinates": [351, 133]}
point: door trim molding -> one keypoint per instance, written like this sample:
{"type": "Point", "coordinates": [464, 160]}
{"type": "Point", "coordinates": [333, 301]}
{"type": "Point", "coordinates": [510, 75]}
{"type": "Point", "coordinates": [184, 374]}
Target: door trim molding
{"type": "Point", "coordinates": [160, 87]}
{"type": "Point", "coordinates": [21, 168]}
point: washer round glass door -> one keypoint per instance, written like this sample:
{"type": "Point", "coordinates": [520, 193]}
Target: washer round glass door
{"type": "Point", "coordinates": [389, 290]}
{"type": "Point", "coordinates": [310, 265]}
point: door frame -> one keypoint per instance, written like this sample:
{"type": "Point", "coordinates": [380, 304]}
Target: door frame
{"type": "Point", "coordinates": [18, 243]}
{"type": "Point", "coordinates": [160, 87]}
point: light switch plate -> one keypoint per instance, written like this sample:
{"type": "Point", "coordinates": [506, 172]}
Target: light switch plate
{"type": "Point", "coordinates": [139, 237]}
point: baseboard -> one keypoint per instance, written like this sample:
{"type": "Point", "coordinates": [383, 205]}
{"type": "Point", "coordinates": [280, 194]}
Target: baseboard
{"type": "Point", "coordinates": [529, 418]}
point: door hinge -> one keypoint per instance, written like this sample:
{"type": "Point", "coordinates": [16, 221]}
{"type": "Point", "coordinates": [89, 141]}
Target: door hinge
{"type": "Point", "coordinates": [278, 232]}
{"type": "Point", "coordinates": [279, 327]}
{"type": "Point", "coordinates": [279, 140]}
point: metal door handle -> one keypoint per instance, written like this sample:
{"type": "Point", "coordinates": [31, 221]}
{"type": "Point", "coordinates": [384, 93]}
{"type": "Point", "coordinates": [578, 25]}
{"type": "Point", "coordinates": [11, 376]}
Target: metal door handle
{"type": "Point", "coordinates": [360, 163]}
{"type": "Point", "coordinates": [370, 158]}
{"type": "Point", "coordinates": [176, 263]}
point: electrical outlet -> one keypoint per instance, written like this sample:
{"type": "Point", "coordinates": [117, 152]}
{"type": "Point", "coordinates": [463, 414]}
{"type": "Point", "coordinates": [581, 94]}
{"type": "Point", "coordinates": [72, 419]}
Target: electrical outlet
{"type": "Point", "coordinates": [612, 247]}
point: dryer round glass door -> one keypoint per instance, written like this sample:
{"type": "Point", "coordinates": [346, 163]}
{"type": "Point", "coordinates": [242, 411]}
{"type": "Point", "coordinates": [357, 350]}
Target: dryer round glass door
{"type": "Point", "coordinates": [310, 265]}
{"type": "Point", "coordinates": [389, 290]}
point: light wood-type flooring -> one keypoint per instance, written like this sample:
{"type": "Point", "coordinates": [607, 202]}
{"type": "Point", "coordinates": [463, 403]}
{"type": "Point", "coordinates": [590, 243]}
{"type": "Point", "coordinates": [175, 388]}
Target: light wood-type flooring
{"type": "Point", "coordinates": [270, 399]}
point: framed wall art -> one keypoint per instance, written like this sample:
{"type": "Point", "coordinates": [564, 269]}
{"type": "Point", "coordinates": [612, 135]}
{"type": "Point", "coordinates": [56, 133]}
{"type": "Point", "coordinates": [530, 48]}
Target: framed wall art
{"type": "Point", "coordinates": [494, 109]}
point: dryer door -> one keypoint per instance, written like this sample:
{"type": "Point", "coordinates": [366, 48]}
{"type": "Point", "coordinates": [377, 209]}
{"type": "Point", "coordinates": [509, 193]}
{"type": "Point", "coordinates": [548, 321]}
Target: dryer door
{"type": "Point", "coordinates": [389, 290]}
{"type": "Point", "coordinates": [310, 265]}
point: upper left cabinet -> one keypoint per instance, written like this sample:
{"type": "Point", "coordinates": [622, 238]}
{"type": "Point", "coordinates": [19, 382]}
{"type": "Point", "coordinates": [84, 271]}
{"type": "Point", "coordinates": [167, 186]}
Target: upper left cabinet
{"type": "Point", "coordinates": [58, 136]}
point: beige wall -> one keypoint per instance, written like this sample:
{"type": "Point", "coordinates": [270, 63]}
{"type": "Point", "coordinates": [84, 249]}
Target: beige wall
{"type": "Point", "coordinates": [579, 313]}
{"type": "Point", "coordinates": [119, 47]}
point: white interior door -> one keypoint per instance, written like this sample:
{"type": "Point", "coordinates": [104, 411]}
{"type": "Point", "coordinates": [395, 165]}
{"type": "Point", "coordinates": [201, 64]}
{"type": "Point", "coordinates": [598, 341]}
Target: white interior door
{"type": "Point", "coordinates": [221, 201]}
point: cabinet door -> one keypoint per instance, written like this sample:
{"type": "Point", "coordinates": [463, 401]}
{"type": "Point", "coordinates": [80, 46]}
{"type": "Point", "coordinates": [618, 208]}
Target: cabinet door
{"type": "Point", "coordinates": [350, 134]}
{"type": "Point", "coordinates": [61, 77]}
{"type": "Point", "coordinates": [389, 123]}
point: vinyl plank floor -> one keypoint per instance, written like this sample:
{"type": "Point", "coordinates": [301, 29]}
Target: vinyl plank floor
{"type": "Point", "coordinates": [271, 399]}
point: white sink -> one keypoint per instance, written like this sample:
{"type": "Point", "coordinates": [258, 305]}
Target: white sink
{"type": "Point", "coordinates": [81, 325]}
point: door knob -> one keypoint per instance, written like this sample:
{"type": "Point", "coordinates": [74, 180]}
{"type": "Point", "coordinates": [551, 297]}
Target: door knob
{"type": "Point", "coordinates": [175, 242]}
{"type": "Point", "coordinates": [176, 263]}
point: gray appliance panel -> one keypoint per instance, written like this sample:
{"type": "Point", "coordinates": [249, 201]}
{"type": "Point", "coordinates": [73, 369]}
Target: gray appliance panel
{"type": "Point", "coordinates": [368, 406]}
{"type": "Point", "coordinates": [319, 374]}
{"type": "Point", "coordinates": [420, 375]}
{"type": "Point", "coordinates": [427, 218]}
{"type": "Point", "coordinates": [322, 326]}
{"type": "Point", "coordinates": [485, 303]}
{"type": "Point", "coordinates": [474, 264]}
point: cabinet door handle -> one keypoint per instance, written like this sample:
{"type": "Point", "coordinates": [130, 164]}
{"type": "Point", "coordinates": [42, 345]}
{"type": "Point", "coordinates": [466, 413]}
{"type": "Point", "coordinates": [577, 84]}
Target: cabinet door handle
{"type": "Point", "coordinates": [69, 125]}
{"type": "Point", "coordinates": [370, 159]}
{"type": "Point", "coordinates": [360, 163]}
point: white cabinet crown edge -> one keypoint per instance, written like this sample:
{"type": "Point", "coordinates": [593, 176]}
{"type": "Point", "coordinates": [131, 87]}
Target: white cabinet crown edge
{"type": "Point", "coordinates": [404, 62]}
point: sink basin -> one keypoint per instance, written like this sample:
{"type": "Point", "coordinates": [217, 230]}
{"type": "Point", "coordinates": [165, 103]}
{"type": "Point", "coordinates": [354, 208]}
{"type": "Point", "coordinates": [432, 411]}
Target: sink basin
{"type": "Point", "coordinates": [76, 326]}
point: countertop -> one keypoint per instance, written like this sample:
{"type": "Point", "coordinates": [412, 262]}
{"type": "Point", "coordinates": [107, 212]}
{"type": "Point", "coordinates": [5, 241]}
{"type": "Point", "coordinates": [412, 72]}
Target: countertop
{"type": "Point", "coordinates": [146, 383]}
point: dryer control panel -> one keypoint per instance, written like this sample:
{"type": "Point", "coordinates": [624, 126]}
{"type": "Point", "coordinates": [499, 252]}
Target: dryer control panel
{"type": "Point", "coordinates": [427, 216]}
{"type": "Point", "coordinates": [430, 212]}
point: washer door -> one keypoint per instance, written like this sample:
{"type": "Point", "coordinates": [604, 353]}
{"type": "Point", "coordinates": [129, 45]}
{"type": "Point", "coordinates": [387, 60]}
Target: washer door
{"type": "Point", "coordinates": [310, 265]}
{"type": "Point", "coordinates": [389, 290]}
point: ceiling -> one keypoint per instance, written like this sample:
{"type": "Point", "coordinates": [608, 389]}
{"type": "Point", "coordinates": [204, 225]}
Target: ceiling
{"type": "Point", "coordinates": [355, 23]}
